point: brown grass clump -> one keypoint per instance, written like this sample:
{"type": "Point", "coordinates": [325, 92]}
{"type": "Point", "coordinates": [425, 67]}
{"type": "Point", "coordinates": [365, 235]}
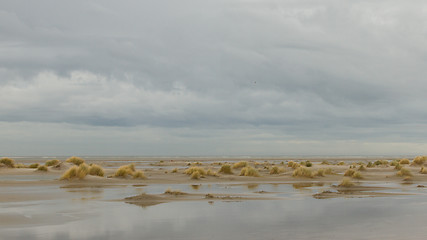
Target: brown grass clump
{"type": "Point", "coordinates": [394, 163]}
{"type": "Point", "coordinates": [249, 171]}
{"type": "Point", "coordinates": [293, 164]}
{"type": "Point", "coordinates": [329, 171]}
{"type": "Point", "coordinates": [346, 182]}
{"type": "Point", "coordinates": [423, 170]}
{"type": "Point", "coordinates": [404, 161]}
{"type": "Point", "coordinates": [191, 170]}
{"type": "Point", "coordinates": [175, 170]}
{"type": "Point", "coordinates": [320, 173]}
{"type": "Point", "coordinates": [302, 172]}
{"type": "Point", "coordinates": [20, 165]}
{"type": "Point", "coordinates": [398, 166]}
{"type": "Point", "coordinates": [75, 160]}
{"type": "Point", "coordinates": [82, 170]}
{"type": "Point", "coordinates": [324, 162]}
{"type": "Point", "coordinates": [341, 163]}
{"type": "Point", "coordinates": [277, 170]}
{"type": "Point", "coordinates": [138, 175]}
{"type": "Point", "coordinates": [369, 165]}
{"type": "Point", "coordinates": [42, 168]}
{"type": "Point", "coordinates": [124, 171]}
{"type": "Point", "coordinates": [226, 169]}
{"type": "Point", "coordinates": [96, 170]}
{"type": "Point", "coordinates": [361, 168]}
{"type": "Point", "coordinates": [8, 162]}
{"type": "Point", "coordinates": [349, 173]}
{"type": "Point", "coordinates": [211, 172]}
{"type": "Point", "coordinates": [33, 165]}
{"type": "Point", "coordinates": [404, 172]}
{"type": "Point", "coordinates": [195, 175]}
{"type": "Point", "coordinates": [70, 173]}
{"type": "Point", "coordinates": [240, 164]}
{"type": "Point", "coordinates": [52, 162]}
{"type": "Point", "coordinates": [419, 160]}
{"type": "Point", "coordinates": [357, 175]}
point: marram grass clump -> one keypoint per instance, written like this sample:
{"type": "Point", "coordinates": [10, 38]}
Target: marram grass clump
{"type": "Point", "coordinates": [249, 171]}
{"type": "Point", "coordinates": [293, 164]}
{"type": "Point", "coordinates": [357, 175]}
{"type": "Point", "coordinates": [76, 172]}
{"type": "Point", "coordinates": [52, 162]}
{"type": "Point", "coordinates": [226, 169]}
{"type": "Point", "coordinates": [195, 175]}
{"type": "Point", "coordinates": [33, 165]}
{"type": "Point", "coordinates": [211, 172]}
{"type": "Point", "coordinates": [8, 162]}
{"type": "Point", "coordinates": [277, 170]}
{"type": "Point", "coordinates": [303, 172]}
{"type": "Point", "coordinates": [138, 175]}
{"type": "Point", "coordinates": [75, 160]}
{"type": "Point", "coordinates": [346, 182]}
{"type": "Point", "coordinates": [419, 160]}
{"type": "Point", "coordinates": [423, 170]}
{"type": "Point", "coordinates": [404, 172]}
{"type": "Point", "coordinates": [96, 170]}
{"type": "Point", "coordinates": [191, 170]}
{"type": "Point", "coordinates": [42, 168]}
{"type": "Point", "coordinates": [349, 173]}
{"type": "Point", "coordinates": [404, 161]}
{"type": "Point", "coordinates": [125, 171]}
{"type": "Point", "coordinates": [240, 164]}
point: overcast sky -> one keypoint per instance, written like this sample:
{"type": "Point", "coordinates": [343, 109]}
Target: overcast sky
{"type": "Point", "coordinates": [220, 77]}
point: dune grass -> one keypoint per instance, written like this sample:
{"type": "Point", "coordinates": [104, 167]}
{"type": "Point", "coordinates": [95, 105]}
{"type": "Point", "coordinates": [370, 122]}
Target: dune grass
{"type": "Point", "coordinates": [240, 164]}
{"type": "Point", "coordinates": [226, 169]}
{"type": "Point", "coordinates": [341, 163]}
{"type": "Point", "coordinates": [125, 171]}
{"type": "Point", "coordinates": [362, 168]}
{"type": "Point", "coordinates": [138, 175]}
{"type": "Point", "coordinates": [306, 163]}
{"type": "Point", "coordinates": [346, 182]}
{"type": "Point", "coordinates": [42, 168]}
{"type": "Point", "coordinates": [293, 165]}
{"type": "Point", "coordinates": [349, 173]}
{"type": "Point", "coordinates": [404, 172]}
{"type": "Point", "coordinates": [404, 161]}
{"type": "Point", "coordinates": [324, 162]}
{"type": "Point", "coordinates": [320, 173]}
{"type": "Point", "coordinates": [33, 165]}
{"type": "Point", "coordinates": [195, 175]}
{"type": "Point", "coordinates": [277, 170]}
{"type": "Point", "coordinates": [76, 172]}
{"type": "Point", "coordinates": [191, 170]}
{"type": "Point", "coordinates": [8, 162]}
{"type": "Point", "coordinates": [249, 171]}
{"type": "Point", "coordinates": [211, 172]}
{"type": "Point", "coordinates": [52, 162]}
{"type": "Point", "coordinates": [357, 175]}
{"type": "Point", "coordinates": [96, 170]}
{"type": "Point", "coordinates": [169, 191]}
{"type": "Point", "coordinates": [20, 165]}
{"type": "Point", "coordinates": [175, 170]}
{"type": "Point", "coordinates": [70, 173]}
{"type": "Point", "coordinates": [75, 160]}
{"type": "Point", "coordinates": [303, 172]}
{"type": "Point", "coordinates": [423, 170]}
{"type": "Point", "coordinates": [398, 166]}
{"type": "Point", "coordinates": [419, 160]}
{"type": "Point", "coordinates": [369, 165]}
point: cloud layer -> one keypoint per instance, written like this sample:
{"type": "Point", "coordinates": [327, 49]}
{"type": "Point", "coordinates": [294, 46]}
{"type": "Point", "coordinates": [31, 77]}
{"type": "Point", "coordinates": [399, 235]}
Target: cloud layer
{"type": "Point", "coordinates": [276, 73]}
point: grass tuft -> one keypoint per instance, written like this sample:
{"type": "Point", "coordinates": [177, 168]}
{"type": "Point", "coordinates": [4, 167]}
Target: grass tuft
{"type": "Point", "coordinates": [20, 165]}
{"type": "Point", "coordinates": [404, 172]}
{"type": "Point", "coordinates": [341, 163]}
{"type": "Point", "coordinates": [70, 173]}
{"type": "Point", "coordinates": [423, 170]}
{"type": "Point", "coordinates": [75, 160]}
{"type": "Point", "coordinates": [96, 170]}
{"type": "Point", "coordinates": [249, 171]}
{"type": "Point", "coordinates": [349, 173]}
{"type": "Point", "coordinates": [226, 169]}
{"type": "Point", "coordinates": [175, 170]}
{"type": "Point", "coordinates": [357, 175]}
{"type": "Point", "coordinates": [419, 160]}
{"type": "Point", "coordinates": [138, 175]}
{"type": "Point", "coordinates": [320, 172]}
{"type": "Point", "coordinates": [8, 162]}
{"type": "Point", "coordinates": [302, 172]}
{"type": "Point", "coordinates": [195, 175]}
{"type": "Point", "coordinates": [293, 164]}
{"type": "Point", "coordinates": [324, 162]}
{"type": "Point", "coordinates": [404, 161]}
{"type": "Point", "coordinates": [361, 168]}
{"type": "Point", "coordinates": [82, 170]}
{"type": "Point", "coordinates": [369, 165]}
{"type": "Point", "coordinates": [124, 171]}
{"type": "Point", "coordinates": [191, 170]}
{"type": "Point", "coordinates": [277, 170]}
{"type": "Point", "coordinates": [240, 164]}
{"type": "Point", "coordinates": [346, 182]}
{"type": "Point", "coordinates": [398, 166]}
{"type": "Point", "coordinates": [211, 172]}
{"type": "Point", "coordinates": [52, 162]}
{"type": "Point", "coordinates": [33, 165]}
{"type": "Point", "coordinates": [42, 168]}
{"type": "Point", "coordinates": [173, 192]}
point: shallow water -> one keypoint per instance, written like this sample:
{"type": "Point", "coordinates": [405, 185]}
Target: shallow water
{"type": "Point", "coordinates": [90, 213]}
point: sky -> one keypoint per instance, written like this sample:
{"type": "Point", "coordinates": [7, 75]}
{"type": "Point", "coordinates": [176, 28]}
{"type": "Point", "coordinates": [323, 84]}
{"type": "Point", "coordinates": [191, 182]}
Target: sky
{"type": "Point", "coordinates": [213, 77]}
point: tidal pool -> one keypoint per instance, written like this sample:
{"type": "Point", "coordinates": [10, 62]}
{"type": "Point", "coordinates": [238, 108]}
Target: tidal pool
{"type": "Point", "coordinates": [93, 213]}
